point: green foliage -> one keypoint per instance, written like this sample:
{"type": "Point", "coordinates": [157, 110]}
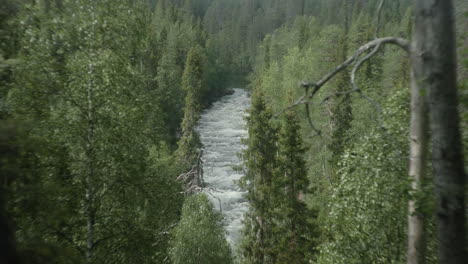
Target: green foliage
{"type": "Point", "coordinates": [367, 212]}
{"type": "Point", "coordinates": [98, 104]}
{"type": "Point", "coordinates": [84, 84]}
{"type": "Point", "coordinates": [357, 170]}
{"type": "Point", "coordinates": [191, 84]}
{"type": "Point", "coordinates": [199, 236]}
{"type": "Point", "coordinates": [169, 92]}
{"type": "Point", "coordinates": [292, 218]}
{"type": "Point", "coordinates": [335, 50]}
{"type": "Point", "coordinates": [260, 162]}
{"type": "Point", "coordinates": [279, 227]}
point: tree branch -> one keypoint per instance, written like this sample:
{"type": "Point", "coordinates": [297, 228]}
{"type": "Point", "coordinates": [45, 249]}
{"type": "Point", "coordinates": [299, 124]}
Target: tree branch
{"type": "Point", "coordinates": [310, 120]}
{"type": "Point", "coordinates": [359, 64]}
{"type": "Point", "coordinates": [164, 232]}
{"type": "Point", "coordinates": [375, 45]}
{"type": "Point", "coordinates": [217, 198]}
{"type": "Point", "coordinates": [70, 240]}
{"type": "Point", "coordinates": [193, 179]}
{"type": "Point", "coordinates": [402, 43]}
{"type": "Point", "coordinates": [99, 241]}
{"type": "Point", "coordinates": [353, 79]}
{"type": "Point", "coordinates": [379, 15]}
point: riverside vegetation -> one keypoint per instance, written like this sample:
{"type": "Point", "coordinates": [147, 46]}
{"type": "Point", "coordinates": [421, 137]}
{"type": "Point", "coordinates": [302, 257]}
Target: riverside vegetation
{"type": "Point", "coordinates": [101, 161]}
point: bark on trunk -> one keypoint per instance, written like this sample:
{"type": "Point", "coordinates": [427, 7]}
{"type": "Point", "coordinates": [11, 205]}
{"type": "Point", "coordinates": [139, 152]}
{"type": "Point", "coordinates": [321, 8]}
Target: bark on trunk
{"type": "Point", "coordinates": [418, 150]}
{"type": "Point", "coordinates": [8, 254]}
{"type": "Point", "coordinates": [302, 7]}
{"type": "Point", "coordinates": [89, 181]}
{"type": "Point", "coordinates": [434, 29]}
{"type": "Point", "coordinates": [418, 157]}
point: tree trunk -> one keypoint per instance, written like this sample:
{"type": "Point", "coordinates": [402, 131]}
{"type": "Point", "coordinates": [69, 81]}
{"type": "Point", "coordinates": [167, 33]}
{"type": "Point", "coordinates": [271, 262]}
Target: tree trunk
{"type": "Point", "coordinates": [435, 36]}
{"type": "Point", "coordinates": [8, 254]}
{"type": "Point", "coordinates": [417, 162]}
{"type": "Point", "coordinates": [89, 182]}
{"type": "Point", "coordinates": [418, 149]}
{"type": "Point", "coordinates": [302, 7]}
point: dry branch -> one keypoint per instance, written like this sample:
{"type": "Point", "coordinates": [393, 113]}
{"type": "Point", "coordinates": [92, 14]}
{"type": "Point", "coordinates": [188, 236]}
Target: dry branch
{"type": "Point", "coordinates": [193, 179]}
{"type": "Point", "coordinates": [379, 15]}
{"type": "Point", "coordinates": [375, 45]}
{"type": "Point", "coordinates": [402, 43]}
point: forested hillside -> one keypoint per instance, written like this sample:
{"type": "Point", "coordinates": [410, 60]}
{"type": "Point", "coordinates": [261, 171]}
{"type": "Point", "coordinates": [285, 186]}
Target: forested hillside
{"type": "Point", "coordinates": [354, 151]}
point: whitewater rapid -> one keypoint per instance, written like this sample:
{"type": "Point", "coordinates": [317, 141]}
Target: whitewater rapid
{"type": "Point", "coordinates": [221, 128]}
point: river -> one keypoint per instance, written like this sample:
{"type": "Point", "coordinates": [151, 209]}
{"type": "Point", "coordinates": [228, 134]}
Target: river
{"type": "Point", "coordinates": [221, 128]}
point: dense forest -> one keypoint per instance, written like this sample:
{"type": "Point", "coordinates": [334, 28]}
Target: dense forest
{"type": "Point", "coordinates": [356, 130]}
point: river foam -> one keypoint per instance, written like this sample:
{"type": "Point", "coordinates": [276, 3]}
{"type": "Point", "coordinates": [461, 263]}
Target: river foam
{"type": "Point", "coordinates": [221, 128]}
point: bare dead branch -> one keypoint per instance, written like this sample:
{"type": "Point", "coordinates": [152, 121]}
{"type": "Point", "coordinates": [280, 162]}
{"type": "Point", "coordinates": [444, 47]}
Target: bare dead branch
{"type": "Point", "coordinates": [375, 45]}
{"type": "Point", "coordinates": [163, 233]}
{"type": "Point", "coordinates": [359, 64]}
{"type": "Point", "coordinates": [193, 179]}
{"type": "Point", "coordinates": [379, 15]}
{"type": "Point", "coordinates": [356, 67]}
{"type": "Point", "coordinates": [376, 105]}
{"type": "Point", "coordinates": [338, 94]}
{"type": "Point", "coordinates": [311, 124]}
{"type": "Point", "coordinates": [299, 101]}
{"type": "Point", "coordinates": [400, 42]}
{"type": "Point", "coordinates": [327, 173]}
{"type": "Point", "coordinates": [217, 198]}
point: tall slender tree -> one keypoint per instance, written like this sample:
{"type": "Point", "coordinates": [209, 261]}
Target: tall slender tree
{"type": "Point", "coordinates": [260, 161]}
{"type": "Point", "coordinates": [293, 220]}
{"type": "Point", "coordinates": [434, 62]}
{"type": "Point", "coordinates": [191, 83]}
{"type": "Point", "coordinates": [169, 92]}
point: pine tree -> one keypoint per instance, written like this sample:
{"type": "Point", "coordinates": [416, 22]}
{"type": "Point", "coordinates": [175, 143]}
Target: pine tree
{"type": "Point", "coordinates": [260, 161]}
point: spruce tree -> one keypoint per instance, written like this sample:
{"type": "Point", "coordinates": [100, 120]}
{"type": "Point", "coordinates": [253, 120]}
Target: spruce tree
{"type": "Point", "coordinates": [340, 107]}
{"type": "Point", "coordinates": [293, 220]}
{"type": "Point", "coordinates": [260, 161]}
{"type": "Point", "coordinates": [191, 83]}
{"type": "Point", "coordinates": [169, 93]}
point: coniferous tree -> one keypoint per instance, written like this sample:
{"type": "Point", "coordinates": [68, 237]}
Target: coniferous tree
{"type": "Point", "coordinates": [260, 161]}
{"type": "Point", "coordinates": [340, 107]}
{"type": "Point", "coordinates": [95, 89]}
{"type": "Point", "coordinates": [191, 83]}
{"type": "Point", "coordinates": [169, 92]}
{"type": "Point", "coordinates": [293, 220]}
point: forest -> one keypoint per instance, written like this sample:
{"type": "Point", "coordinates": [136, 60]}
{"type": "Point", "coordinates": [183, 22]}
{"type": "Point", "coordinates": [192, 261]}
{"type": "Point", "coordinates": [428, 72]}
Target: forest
{"type": "Point", "coordinates": [355, 131]}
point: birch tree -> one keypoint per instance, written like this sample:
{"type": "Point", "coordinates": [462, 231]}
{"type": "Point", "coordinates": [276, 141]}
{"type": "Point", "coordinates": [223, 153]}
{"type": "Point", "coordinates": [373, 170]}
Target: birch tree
{"type": "Point", "coordinates": [435, 58]}
{"type": "Point", "coordinates": [432, 73]}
